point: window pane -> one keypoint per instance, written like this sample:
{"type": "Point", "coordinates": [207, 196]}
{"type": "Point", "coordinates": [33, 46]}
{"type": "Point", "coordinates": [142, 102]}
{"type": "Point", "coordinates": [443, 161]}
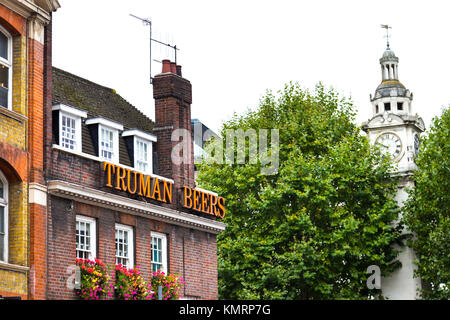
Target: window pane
{"type": "Point", "coordinates": [1, 189]}
{"type": "Point", "coordinates": [122, 253]}
{"type": "Point", "coordinates": [2, 247]}
{"type": "Point", "coordinates": [106, 143]}
{"type": "Point", "coordinates": [4, 76]}
{"type": "Point", "coordinates": [3, 46]}
{"type": "Point", "coordinates": [83, 240]}
{"type": "Point", "coordinates": [141, 155]}
{"type": "Point", "coordinates": [68, 132]}
{"type": "Point", "coordinates": [2, 220]}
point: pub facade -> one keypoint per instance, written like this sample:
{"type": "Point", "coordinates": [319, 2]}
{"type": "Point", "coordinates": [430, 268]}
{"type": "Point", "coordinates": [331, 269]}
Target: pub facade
{"type": "Point", "coordinates": [117, 190]}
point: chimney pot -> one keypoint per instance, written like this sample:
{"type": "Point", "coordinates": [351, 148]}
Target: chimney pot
{"type": "Point", "coordinates": [179, 71]}
{"type": "Point", "coordinates": [173, 67]}
{"type": "Point", "coordinates": [165, 66]}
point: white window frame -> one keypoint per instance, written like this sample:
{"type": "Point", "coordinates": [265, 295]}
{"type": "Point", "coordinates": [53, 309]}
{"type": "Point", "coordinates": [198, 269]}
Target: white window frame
{"type": "Point", "coordinates": [115, 143]}
{"type": "Point", "coordinates": [149, 161]}
{"type": "Point", "coordinates": [4, 204]}
{"type": "Point", "coordinates": [111, 126]}
{"type": "Point", "coordinates": [8, 63]}
{"type": "Point", "coordinates": [93, 232]}
{"type": "Point", "coordinates": [75, 114]}
{"type": "Point", "coordinates": [163, 237]}
{"type": "Point", "coordinates": [130, 240]}
{"type": "Point", "coordinates": [77, 140]}
{"type": "Point", "coordinates": [147, 138]}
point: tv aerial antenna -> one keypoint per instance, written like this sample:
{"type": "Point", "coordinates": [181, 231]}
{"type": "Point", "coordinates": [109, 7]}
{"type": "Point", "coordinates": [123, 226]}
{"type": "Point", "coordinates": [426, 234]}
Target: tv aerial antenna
{"type": "Point", "coordinates": [148, 22]}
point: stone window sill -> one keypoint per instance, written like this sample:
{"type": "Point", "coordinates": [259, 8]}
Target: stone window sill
{"type": "Point", "coordinates": [13, 267]}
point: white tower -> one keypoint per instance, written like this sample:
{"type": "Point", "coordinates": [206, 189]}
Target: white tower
{"type": "Point", "coordinates": [396, 130]}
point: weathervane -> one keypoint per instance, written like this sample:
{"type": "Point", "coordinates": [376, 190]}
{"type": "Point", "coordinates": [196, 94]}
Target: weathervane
{"type": "Point", "coordinates": [387, 36]}
{"type": "Point", "coordinates": [148, 22]}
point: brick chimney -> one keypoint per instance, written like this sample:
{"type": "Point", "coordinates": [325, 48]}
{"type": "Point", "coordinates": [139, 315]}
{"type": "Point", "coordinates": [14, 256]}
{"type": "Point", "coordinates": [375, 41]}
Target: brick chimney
{"type": "Point", "coordinates": [173, 98]}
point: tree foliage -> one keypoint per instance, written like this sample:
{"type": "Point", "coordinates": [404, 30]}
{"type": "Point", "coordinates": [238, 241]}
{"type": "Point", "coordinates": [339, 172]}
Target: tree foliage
{"type": "Point", "coordinates": [427, 210]}
{"type": "Point", "coordinates": [311, 230]}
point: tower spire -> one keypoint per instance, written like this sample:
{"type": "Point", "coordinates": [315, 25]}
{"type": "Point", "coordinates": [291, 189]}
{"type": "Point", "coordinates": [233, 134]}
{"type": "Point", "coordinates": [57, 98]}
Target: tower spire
{"type": "Point", "coordinates": [391, 96]}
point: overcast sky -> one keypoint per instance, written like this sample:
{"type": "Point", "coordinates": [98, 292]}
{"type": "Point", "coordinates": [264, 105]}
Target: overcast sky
{"type": "Point", "coordinates": [232, 51]}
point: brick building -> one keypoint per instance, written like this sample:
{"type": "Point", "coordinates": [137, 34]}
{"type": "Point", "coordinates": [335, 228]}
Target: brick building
{"type": "Point", "coordinates": [116, 193]}
{"type": "Point", "coordinates": [25, 26]}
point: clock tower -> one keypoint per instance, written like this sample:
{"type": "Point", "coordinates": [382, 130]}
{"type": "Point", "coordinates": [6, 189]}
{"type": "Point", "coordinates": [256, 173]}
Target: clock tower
{"type": "Point", "coordinates": [396, 129]}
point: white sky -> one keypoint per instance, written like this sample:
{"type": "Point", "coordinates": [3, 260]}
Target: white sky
{"type": "Point", "coordinates": [232, 51]}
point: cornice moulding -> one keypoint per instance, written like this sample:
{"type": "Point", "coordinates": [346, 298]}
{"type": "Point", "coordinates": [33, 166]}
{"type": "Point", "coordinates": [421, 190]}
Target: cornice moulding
{"type": "Point", "coordinates": [27, 8]}
{"type": "Point", "coordinates": [118, 203]}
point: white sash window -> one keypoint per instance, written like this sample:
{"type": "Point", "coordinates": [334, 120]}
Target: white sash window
{"type": "Point", "coordinates": [3, 218]}
{"type": "Point", "coordinates": [5, 68]}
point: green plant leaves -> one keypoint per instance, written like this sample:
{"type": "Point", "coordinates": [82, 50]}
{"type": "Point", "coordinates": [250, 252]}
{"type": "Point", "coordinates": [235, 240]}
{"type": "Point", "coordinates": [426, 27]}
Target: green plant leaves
{"type": "Point", "coordinates": [311, 230]}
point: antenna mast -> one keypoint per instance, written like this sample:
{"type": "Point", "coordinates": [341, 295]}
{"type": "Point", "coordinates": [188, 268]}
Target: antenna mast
{"type": "Point", "coordinates": [148, 22]}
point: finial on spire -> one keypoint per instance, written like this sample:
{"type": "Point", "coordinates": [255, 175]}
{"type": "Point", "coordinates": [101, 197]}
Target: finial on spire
{"type": "Point", "coordinates": [387, 36]}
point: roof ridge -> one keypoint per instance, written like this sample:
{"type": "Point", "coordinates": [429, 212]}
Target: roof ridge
{"type": "Point", "coordinates": [66, 73]}
{"type": "Point", "coordinates": [143, 114]}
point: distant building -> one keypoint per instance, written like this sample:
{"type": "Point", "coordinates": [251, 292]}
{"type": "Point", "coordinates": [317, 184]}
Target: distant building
{"type": "Point", "coordinates": [396, 129]}
{"type": "Point", "coordinates": [201, 135]}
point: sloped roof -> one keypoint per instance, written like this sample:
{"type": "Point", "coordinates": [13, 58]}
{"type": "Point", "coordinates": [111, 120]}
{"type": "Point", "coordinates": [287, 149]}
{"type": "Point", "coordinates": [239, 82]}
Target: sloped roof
{"type": "Point", "coordinates": [386, 87]}
{"type": "Point", "coordinates": [97, 100]}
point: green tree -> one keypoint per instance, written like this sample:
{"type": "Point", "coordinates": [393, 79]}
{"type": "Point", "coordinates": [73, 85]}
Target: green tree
{"type": "Point", "coordinates": [311, 230]}
{"type": "Point", "coordinates": [427, 210]}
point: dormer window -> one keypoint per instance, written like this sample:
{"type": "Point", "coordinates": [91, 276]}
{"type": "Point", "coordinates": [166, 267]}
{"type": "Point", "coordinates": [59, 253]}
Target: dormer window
{"type": "Point", "coordinates": [68, 132]}
{"type": "Point", "coordinates": [5, 68]}
{"type": "Point", "coordinates": [67, 126]}
{"type": "Point", "coordinates": [140, 148]}
{"type": "Point", "coordinates": [107, 143]}
{"type": "Point", "coordinates": [142, 158]}
{"type": "Point", "coordinates": [108, 138]}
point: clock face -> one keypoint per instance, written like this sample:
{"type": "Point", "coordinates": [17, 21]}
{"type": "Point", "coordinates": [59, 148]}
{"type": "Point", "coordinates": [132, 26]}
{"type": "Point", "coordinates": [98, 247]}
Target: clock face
{"type": "Point", "coordinates": [416, 145]}
{"type": "Point", "coordinates": [390, 144]}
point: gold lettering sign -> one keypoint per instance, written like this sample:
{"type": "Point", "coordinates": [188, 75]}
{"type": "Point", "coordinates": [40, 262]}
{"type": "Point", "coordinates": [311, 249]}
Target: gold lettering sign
{"type": "Point", "coordinates": [135, 182]}
{"type": "Point", "coordinates": [204, 202]}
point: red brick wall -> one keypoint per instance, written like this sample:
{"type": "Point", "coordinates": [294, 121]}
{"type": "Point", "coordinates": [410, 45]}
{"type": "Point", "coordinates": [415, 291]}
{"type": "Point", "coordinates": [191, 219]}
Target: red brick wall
{"type": "Point", "coordinates": [48, 92]}
{"type": "Point", "coordinates": [173, 98]}
{"type": "Point", "coordinates": [35, 110]}
{"type": "Point", "coordinates": [38, 219]}
{"type": "Point", "coordinates": [192, 253]}
{"type": "Point", "coordinates": [15, 23]}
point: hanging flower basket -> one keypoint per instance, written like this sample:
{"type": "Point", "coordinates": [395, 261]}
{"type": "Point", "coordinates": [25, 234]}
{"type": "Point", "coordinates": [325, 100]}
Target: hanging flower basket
{"type": "Point", "coordinates": [171, 284]}
{"type": "Point", "coordinates": [94, 279]}
{"type": "Point", "coordinates": [130, 285]}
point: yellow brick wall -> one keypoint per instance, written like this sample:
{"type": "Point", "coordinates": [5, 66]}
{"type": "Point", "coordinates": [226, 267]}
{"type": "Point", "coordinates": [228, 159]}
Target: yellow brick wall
{"type": "Point", "coordinates": [19, 76]}
{"type": "Point", "coordinates": [13, 280]}
{"type": "Point", "coordinates": [14, 132]}
{"type": "Point", "coordinates": [18, 224]}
